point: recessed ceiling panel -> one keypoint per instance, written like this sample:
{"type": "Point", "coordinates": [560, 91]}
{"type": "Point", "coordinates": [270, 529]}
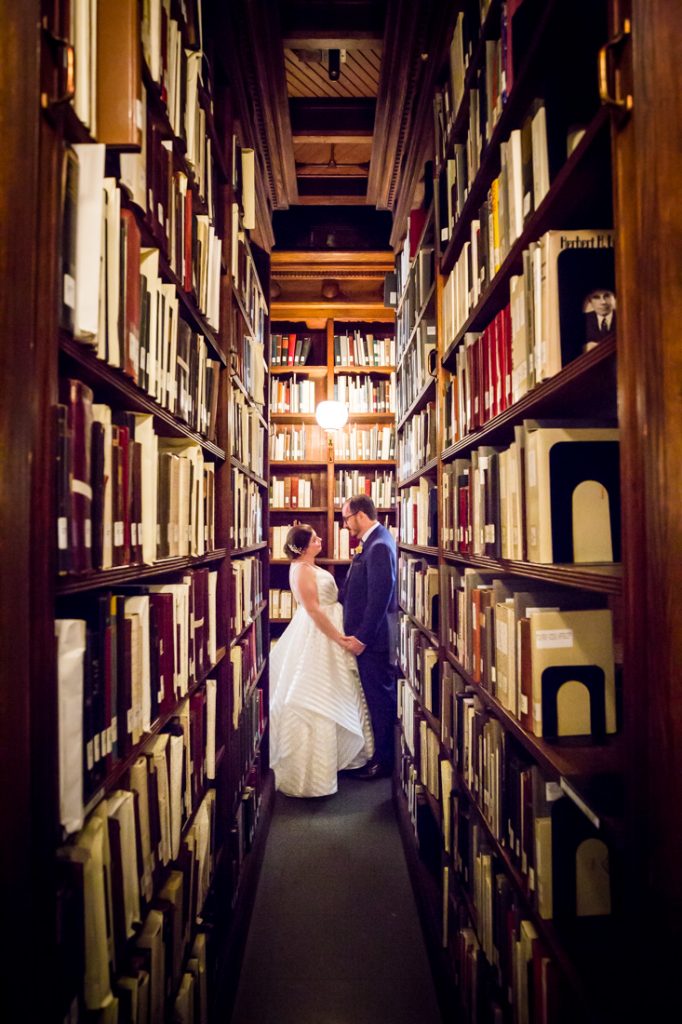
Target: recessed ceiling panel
{"type": "Point", "coordinates": [307, 73]}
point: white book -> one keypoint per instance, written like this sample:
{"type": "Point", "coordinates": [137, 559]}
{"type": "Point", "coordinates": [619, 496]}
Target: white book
{"type": "Point", "coordinates": [70, 634]}
{"type": "Point", "coordinates": [138, 607]}
{"type": "Point", "coordinates": [89, 239]}
{"type": "Point", "coordinates": [121, 808]}
{"type": "Point", "coordinates": [88, 851]}
{"type": "Point", "coordinates": [109, 340]}
{"type": "Point", "coordinates": [139, 774]}
{"type": "Point", "coordinates": [211, 699]}
{"type": "Point", "coordinates": [151, 938]}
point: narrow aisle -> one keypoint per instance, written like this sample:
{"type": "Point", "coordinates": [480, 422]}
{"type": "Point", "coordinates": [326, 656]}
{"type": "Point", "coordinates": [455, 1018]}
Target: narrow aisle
{"type": "Point", "coordinates": [335, 936]}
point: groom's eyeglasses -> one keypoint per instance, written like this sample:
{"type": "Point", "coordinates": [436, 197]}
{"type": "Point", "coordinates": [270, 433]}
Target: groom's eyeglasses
{"type": "Point", "coordinates": [346, 518]}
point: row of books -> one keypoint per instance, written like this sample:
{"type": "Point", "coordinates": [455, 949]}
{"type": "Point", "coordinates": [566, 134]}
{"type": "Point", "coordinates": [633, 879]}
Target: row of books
{"type": "Point", "coordinates": [503, 966]}
{"type": "Point", "coordinates": [548, 837]}
{"type": "Point", "coordinates": [249, 362]}
{"type": "Point", "coordinates": [416, 366]}
{"type": "Point", "coordinates": [560, 853]}
{"type": "Point", "coordinates": [247, 592]}
{"type": "Point", "coordinates": [496, 74]}
{"type": "Point", "coordinates": [417, 442]}
{"type": "Point", "coordinates": [247, 437]}
{"type": "Point", "coordinates": [379, 486]}
{"type": "Point", "coordinates": [530, 978]}
{"type": "Point", "coordinates": [289, 349]}
{"type": "Point", "coordinates": [419, 662]}
{"type": "Point", "coordinates": [404, 262]}
{"type": "Point", "coordinates": [546, 653]}
{"type": "Point", "coordinates": [362, 394]}
{"type": "Point", "coordinates": [420, 282]}
{"type": "Point", "coordinates": [561, 305]}
{"type": "Point", "coordinates": [183, 95]}
{"type": "Point", "coordinates": [480, 386]}
{"type": "Point", "coordinates": [246, 527]}
{"type": "Point", "coordinates": [298, 444]}
{"type": "Point", "coordinates": [552, 496]}
{"type": "Point", "coordinates": [115, 299]}
{"type": "Point", "coordinates": [418, 514]}
{"type": "Point", "coordinates": [140, 885]}
{"type": "Point", "coordinates": [246, 661]}
{"type": "Point", "coordinates": [357, 349]}
{"type": "Point", "coordinates": [289, 395]}
{"type": "Point", "coordinates": [126, 495]}
{"type": "Point", "coordinates": [298, 491]}
{"type": "Point", "coordinates": [526, 159]}
{"type": "Point", "coordinates": [364, 443]}
{"type": "Point", "coordinates": [419, 589]}
{"type": "Point", "coordinates": [282, 604]}
{"type": "Point", "coordinates": [109, 40]}
{"type": "Point", "coordinates": [123, 662]}
{"type": "Point", "coordinates": [243, 831]}
{"type": "Point", "coordinates": [244, 273]}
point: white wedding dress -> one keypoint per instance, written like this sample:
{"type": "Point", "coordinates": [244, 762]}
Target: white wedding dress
{"type": "Point", "coordinates": [319, 722]}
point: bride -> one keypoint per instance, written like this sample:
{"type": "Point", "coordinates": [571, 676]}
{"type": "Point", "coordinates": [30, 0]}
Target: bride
{"type": "Point", "coordinates": [318, 714]}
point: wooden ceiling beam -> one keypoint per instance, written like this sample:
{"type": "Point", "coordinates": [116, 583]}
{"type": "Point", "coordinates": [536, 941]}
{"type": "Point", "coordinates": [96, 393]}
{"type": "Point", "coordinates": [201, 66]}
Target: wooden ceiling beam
{"type": "Point", "coordinates": [329, 137]}
{"type": "Point", "coordinates": [332, 170]}
{"type": "Point", "coordinates": [331, 200]}
{"type": "Point", "coordinates": [339, 118]}
{"type": "Point", "coordinates": [344, 41]}
{"type": "Point", "coordinates": [332, 24]}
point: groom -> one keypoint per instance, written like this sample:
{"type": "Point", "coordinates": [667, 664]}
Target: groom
{"type": "Point", "coordinates": [370, 621]}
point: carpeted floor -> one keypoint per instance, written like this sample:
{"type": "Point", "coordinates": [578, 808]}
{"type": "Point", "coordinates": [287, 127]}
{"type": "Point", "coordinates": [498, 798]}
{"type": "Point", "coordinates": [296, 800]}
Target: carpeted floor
{"type": "Point", "coordinates": [335, 937]}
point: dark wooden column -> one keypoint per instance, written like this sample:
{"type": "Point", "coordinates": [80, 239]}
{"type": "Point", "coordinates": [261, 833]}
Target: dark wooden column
{"type": "Point", "coordinates": [19, 99]}
{"type": "Point", "coordinates": [647, 162]}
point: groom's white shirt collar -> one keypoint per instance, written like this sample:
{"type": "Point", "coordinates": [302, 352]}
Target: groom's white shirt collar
{"type": "Point", "coordinates": [365, 535]}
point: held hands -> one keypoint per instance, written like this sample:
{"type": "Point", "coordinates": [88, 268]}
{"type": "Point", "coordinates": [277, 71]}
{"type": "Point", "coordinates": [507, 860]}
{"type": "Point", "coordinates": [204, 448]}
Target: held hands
{"type": "Point", "coordinates": [352, 644]}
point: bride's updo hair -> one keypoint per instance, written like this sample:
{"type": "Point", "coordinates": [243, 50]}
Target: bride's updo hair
{"type": "Point", "coordinates": [298, 539]}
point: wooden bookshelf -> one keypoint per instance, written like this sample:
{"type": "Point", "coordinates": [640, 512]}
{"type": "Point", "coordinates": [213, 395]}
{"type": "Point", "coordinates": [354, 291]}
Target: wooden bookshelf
{"type": "Point", "coordinates": [607, 384]}
{"type": "Point", "coordinates": [168, 390]}
{"type": "Point", "coordinates": [300, 319]}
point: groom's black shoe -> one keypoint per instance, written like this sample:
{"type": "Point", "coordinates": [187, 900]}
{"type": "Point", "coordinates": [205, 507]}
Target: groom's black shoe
{"type": "Point", "coordinates": [372, 770]}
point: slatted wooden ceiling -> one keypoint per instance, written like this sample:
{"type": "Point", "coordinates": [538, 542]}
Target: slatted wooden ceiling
{"type": "Point", "coordinates": [359, 74]}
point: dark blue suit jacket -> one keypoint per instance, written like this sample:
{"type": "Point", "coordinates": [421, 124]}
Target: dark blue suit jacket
{"type": "Point", "coordinates": [369, 596]}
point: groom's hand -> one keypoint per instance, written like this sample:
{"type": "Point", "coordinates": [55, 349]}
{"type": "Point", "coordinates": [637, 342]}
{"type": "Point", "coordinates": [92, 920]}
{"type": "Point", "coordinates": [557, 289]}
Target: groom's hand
{"type": "Point", "coordinates": [354, 645]}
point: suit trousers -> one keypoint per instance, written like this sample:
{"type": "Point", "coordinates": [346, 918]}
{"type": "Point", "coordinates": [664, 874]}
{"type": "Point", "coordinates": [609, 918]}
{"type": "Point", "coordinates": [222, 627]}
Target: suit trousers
{"type": "Point", "coordinates": [378, 678]}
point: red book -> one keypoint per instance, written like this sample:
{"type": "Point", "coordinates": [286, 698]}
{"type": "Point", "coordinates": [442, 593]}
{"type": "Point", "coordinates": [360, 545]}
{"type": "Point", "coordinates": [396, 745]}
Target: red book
{"type": "Point", "coordinates": [507, 355]}
{"type": "Point", "coordinates": [494, 367]}
{"type": "Point", "coordinates": [131, 298]}
{"type": "Point", "coordinates": [417, 221]}
{"type": "Point", "coordinates": [122, 493]}
{"type": "Point", "coordinates": [500, 361]}
{"type": "Point", "coordinates": [291, 350]}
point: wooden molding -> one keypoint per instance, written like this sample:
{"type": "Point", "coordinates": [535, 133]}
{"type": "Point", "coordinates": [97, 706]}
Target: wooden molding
{"type": "Point", "coordinates": [330, 264]}
{"type": "Point", "coordinates": [332, 117]}
{"type": "Point", "coordinates": [333, 310]}
{"type": "Point", "coordinates": [255, 68]}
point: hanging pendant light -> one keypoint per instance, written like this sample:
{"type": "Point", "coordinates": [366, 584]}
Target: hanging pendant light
{"type": "Point", "coordinates": [331, 415]}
